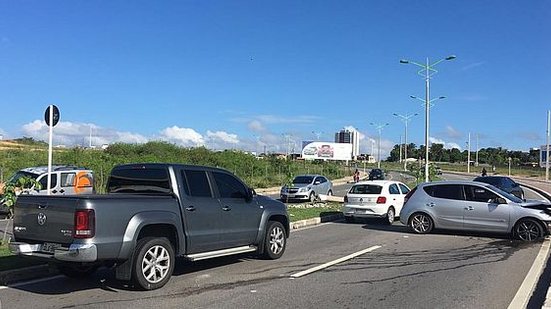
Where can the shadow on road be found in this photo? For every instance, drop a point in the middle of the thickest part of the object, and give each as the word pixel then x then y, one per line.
pixel 105 279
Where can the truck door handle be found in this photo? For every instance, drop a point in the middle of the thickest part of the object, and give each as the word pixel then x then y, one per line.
pixel 469 208
pixel 42 206
pixel 61 191
pixel 226 208
pixel 430 204
pixel 54 191
pixel 190 208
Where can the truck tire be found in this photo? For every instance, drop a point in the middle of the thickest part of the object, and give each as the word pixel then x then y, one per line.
pixel 77 270
pixel 153 262
pixel 275 240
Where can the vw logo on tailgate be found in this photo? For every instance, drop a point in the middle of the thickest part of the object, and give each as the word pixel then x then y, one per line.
pixel 41 218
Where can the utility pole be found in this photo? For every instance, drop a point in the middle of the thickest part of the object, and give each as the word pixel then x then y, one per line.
pixel 469 155
pixel 547 146
pixel 476 162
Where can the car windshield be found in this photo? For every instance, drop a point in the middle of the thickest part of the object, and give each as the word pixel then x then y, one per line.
pixel 508 195
pixel 13 179
pixel 303 179
pixel 366 189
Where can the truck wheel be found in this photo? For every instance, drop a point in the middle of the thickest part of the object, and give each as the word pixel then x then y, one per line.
pixel 77 270
pixel 153 262
pixel 275 240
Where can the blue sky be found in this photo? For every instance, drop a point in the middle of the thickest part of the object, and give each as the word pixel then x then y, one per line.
pixel 241 74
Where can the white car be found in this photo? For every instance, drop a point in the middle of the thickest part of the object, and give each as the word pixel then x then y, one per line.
pixel 375 199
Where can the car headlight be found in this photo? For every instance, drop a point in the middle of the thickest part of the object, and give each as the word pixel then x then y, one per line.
pixel 303 189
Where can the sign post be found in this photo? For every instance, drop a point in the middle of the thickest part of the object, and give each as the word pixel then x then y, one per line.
pixel 51 116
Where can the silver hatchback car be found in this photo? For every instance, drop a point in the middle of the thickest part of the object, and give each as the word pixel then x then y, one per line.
pixel 474 206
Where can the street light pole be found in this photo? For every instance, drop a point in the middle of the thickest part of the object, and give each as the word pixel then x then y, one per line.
pixel 547 146
pixel 469 155
pixel 379 127
pixel 428 70
pixel 405 118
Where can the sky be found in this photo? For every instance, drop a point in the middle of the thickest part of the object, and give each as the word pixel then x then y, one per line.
pixel 255 74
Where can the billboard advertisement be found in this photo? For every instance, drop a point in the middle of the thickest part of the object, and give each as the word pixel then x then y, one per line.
pixel 327 151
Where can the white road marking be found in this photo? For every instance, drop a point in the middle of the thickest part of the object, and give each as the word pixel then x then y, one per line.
pixel 3 287
pixel 337 261
pixel 529 284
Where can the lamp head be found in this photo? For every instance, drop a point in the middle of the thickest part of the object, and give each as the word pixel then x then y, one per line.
pixel 404 61
pixel 451 57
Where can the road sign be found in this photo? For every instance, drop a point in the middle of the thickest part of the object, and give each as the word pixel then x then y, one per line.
pixel 55 115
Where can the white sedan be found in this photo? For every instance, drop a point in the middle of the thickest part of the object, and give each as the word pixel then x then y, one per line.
pixel 374 199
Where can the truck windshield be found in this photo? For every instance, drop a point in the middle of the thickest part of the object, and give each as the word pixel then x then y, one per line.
pixel 13 179
pixel 139 180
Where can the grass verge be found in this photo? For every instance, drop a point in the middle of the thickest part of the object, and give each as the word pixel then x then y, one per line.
pixel 9 261
pixel 299 213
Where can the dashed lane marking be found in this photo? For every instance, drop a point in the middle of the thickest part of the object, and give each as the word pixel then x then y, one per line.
pixel 337 261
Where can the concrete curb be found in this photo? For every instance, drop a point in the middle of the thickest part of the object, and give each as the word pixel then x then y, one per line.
pixel 297 225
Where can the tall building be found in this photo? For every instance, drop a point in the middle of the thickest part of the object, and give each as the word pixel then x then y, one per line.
pixel 349 137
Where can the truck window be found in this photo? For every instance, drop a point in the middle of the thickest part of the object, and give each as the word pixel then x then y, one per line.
pixel 229 186
pixel 198 183
pixel 139 180
pixel 67 179
pixel 44 182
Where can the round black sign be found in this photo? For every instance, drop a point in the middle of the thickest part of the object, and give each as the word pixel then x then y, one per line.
pixel 56 115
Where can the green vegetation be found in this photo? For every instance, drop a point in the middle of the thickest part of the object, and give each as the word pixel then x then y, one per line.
pixel 297 214
pixel 9 261
pixel 256 172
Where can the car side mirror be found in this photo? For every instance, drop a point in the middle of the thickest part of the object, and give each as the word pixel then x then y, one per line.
pixel 250 194
pixel 317 182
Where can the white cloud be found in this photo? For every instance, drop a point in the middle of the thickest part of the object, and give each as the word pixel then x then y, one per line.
pixel 71 134
pixel 223 136
pixel 353 129
pixel 256 126
pixel 182 136
pixel 473 65
pixel 447 145
pixel 451 132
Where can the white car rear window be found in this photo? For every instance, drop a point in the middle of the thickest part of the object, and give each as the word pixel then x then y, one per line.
pixel 366 189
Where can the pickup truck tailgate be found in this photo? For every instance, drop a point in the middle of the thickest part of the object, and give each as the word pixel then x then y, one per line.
pixel 45 219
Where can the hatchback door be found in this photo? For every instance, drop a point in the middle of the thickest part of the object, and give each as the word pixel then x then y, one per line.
pixel 482 213
pixel 447 205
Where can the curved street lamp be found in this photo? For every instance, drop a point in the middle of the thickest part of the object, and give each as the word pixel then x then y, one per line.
pixel 405 119
pixel 427 71
pixel 379 127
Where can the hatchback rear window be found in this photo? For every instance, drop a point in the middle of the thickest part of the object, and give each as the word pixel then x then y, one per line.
pixel 366 189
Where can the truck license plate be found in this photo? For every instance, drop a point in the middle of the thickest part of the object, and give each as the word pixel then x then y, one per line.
pixel 49 247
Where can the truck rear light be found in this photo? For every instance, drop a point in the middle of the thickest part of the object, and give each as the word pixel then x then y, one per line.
pixel 85 222
pixel 381 200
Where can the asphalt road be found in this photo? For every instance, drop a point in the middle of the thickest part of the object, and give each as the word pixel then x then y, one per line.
pixel 415 271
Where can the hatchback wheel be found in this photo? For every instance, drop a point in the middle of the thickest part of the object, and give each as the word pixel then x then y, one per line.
pixel 527 230
pixel 390 216
pixel 421 223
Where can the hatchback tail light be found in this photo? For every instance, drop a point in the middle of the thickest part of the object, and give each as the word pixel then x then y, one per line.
pixel 85 224
pixel 381 200
pixel 346 198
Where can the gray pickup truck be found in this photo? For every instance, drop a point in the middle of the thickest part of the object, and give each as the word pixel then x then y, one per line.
pixel 152 214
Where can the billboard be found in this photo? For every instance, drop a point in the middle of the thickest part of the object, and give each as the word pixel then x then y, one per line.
pixel 327 151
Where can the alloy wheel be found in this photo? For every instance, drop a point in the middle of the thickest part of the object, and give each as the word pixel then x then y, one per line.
pixel 277 240
pixel 528 230
pixel 421 223
pixel 155 264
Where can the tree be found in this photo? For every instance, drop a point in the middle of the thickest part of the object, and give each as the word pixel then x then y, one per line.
pixel 11 191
